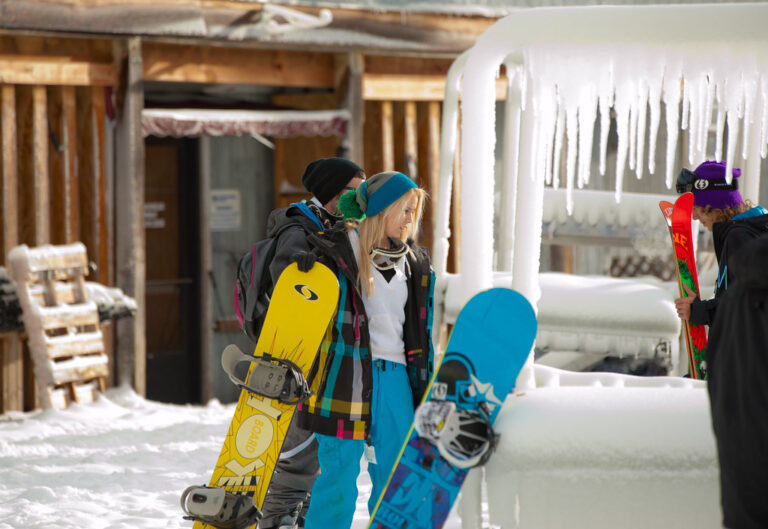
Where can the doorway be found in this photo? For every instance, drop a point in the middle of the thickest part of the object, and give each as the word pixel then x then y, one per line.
pixel 171 223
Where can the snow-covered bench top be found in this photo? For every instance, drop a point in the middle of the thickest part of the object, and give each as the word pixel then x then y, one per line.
pixel 585 449
pixel 593 313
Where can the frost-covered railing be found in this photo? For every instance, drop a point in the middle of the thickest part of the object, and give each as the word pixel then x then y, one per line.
pixel 61 322
pixel 703 64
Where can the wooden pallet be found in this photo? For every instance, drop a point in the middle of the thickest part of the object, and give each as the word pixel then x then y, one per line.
pixel 61 323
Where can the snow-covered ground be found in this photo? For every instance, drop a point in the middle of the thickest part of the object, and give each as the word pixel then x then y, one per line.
pixel 119 463
pixel 582 450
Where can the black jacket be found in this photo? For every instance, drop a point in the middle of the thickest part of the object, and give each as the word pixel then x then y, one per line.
pixel 294 240
pixel 728 238
pixel 737 357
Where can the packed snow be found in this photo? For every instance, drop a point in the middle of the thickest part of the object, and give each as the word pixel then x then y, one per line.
pixel 119 463
pixel 122 462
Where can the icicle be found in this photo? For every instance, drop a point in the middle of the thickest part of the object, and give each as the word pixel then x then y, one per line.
pixel 696 126
pixel 587 118
pixel 671 99
pixel 720 124
pixel 605 100
pixel 686 104
pixel 642 111
pixel 559 133
pixel 622 128
pixel 733 136
pixel 654 104
pixel 634 111
pixel 750 92
pixel 572 134
pixel 708 112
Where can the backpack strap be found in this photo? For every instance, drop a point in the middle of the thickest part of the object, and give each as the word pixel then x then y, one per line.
pixel 308 213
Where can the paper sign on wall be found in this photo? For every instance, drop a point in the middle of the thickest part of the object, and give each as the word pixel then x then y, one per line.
pixel 225 210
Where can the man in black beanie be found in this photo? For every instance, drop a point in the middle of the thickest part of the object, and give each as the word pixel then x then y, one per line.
pixel 287 499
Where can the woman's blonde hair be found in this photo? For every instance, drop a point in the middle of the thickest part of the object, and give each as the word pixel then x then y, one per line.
pixel 373 229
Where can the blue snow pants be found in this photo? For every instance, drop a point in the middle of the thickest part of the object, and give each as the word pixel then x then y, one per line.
pixel 334 493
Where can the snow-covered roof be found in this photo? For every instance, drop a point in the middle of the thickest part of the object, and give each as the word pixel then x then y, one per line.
pixel 485 8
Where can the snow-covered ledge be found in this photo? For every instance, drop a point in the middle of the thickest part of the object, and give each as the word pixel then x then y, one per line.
pixel 604 450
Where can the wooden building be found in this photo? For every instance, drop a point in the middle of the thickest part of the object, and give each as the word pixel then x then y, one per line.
pixel 84 87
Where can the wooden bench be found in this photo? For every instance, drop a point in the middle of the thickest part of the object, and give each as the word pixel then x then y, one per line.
pixel 61 323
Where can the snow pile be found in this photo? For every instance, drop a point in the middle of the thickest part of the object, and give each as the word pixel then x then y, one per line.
pixel 600 450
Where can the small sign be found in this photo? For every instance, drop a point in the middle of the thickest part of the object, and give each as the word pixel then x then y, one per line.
pixel 225 210
pixel 152 218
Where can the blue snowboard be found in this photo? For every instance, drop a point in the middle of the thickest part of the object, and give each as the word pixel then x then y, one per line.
pixel 490 342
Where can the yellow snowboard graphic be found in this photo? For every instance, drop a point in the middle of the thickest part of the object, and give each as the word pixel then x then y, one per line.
pixel 301 307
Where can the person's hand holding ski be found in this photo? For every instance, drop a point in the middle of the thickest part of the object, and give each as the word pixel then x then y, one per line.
pixel 683 305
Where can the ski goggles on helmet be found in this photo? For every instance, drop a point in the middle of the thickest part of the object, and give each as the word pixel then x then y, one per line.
pixel 687 181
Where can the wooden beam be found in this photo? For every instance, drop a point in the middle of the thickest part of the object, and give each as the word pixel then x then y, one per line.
pixel 10 184
pixel 429 163
pixel 209 64
pixel 42 211
pixel 11 351
pixel 98 103
pixel 129 220
pixel 25 156
pixel 411 153
pixel 87 172
pixel 350 93
pixel 57 167
pixel 35 70
pixel 72 197
pixel 387 137
pixel 412 87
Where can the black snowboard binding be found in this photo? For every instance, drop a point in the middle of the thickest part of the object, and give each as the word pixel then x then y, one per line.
pixel 219 508
pixel 464 438
pixel 274 378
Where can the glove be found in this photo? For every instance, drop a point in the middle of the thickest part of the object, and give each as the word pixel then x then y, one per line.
pixel 304 260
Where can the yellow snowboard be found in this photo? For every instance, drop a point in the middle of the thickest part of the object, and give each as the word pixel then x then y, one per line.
pixel 301 307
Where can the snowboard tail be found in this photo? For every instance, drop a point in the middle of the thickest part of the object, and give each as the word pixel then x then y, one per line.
pixel 678 217
pixel 300 309
pixel 490 342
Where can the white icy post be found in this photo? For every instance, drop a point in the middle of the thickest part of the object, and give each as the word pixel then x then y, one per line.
pixel 510 153
pixel 449 133
pixel 478 107
pixel 529 215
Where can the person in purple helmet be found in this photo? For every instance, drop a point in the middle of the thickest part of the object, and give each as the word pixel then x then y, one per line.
pixel 718 205
pixel 737 358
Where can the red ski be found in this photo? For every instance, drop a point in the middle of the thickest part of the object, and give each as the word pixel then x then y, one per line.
pixel 678 217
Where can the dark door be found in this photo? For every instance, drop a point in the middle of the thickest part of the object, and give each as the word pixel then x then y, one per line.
pixel 171 214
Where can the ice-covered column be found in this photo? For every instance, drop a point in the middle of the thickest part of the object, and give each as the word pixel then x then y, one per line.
pixel 510 152
pixel 478 107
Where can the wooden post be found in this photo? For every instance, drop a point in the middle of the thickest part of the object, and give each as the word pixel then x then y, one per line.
pixel 10 184
pixel 129 218
pixel 72 196
pixel 387 137
pixel 411 150
pixel 349 87
pixel 11 351
pixel 429 166
pixel 42 187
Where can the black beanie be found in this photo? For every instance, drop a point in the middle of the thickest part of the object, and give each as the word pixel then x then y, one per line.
pixel 327 177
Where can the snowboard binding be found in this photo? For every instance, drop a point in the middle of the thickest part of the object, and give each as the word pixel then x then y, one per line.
pixel 274 378
pixel 219 508
pixel 464 438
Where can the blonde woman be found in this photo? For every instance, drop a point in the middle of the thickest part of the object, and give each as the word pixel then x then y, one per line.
pixel 374 366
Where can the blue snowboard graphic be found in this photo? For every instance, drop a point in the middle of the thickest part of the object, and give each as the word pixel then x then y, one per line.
pixel 489 344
